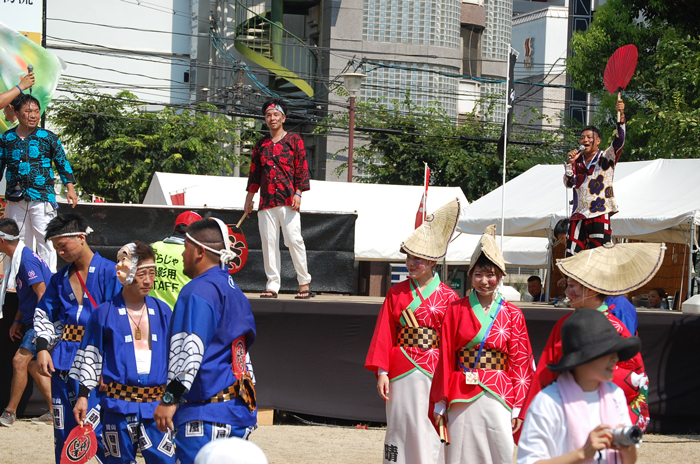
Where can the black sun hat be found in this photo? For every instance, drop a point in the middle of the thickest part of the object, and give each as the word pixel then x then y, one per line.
pixel 588 335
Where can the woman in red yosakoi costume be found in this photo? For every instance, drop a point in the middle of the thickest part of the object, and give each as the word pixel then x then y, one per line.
pixel 405 346
pixel 485 366
pixel 592 275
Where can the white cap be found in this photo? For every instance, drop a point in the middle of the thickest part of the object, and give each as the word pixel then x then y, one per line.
pixel 230 451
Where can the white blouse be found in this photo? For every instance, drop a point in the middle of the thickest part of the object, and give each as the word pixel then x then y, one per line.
pixel 544 430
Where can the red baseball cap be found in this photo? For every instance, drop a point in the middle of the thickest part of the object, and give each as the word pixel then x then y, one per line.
pixel 187 218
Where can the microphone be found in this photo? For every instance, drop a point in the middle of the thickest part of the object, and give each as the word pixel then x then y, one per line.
pixel 30 69
pixel 580 150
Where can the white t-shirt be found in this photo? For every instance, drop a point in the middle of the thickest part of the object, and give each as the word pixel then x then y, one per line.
pixel 544 430
pixel 143 361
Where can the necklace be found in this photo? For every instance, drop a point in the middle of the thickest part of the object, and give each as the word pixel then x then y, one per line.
pixel 281 137
pixel 137 332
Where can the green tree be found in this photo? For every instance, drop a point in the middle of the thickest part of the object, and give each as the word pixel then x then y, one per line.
pixel 669 122
pixel 405 135
pixel 662 100
pixel 684 15
pixel 115 146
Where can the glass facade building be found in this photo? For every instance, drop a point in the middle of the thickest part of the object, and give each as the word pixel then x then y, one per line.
pixel 423 22
pixel 495 44
pixel 426 82
pixel 434 23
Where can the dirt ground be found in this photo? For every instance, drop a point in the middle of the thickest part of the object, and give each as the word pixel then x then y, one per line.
pixel 297 444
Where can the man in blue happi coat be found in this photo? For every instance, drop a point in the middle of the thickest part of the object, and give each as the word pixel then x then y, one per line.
pixel 28 274
pixel 211 330
pixel 61 315
pixel 126 342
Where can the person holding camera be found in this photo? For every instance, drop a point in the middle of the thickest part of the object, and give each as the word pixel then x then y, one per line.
pixel 592 276
pixel 571 421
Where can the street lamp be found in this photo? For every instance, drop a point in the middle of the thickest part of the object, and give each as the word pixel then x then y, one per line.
pixel 352 83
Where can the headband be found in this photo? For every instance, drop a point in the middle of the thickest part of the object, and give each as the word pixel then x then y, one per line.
pixel 72 234
pixel 8 237
pixel 226 256
pixel 274 106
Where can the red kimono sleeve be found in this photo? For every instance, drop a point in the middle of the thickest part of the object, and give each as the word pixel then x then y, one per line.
pixel 383 339
pixel 520 365
pixel 439 389
pixel 636 396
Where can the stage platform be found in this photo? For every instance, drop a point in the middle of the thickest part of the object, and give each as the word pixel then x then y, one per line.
pixel 309 358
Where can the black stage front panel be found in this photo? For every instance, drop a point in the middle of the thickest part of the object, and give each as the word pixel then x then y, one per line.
pixel 329 240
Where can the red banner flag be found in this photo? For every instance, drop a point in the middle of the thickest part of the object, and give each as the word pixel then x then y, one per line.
pixel 423 208
pixel 178 199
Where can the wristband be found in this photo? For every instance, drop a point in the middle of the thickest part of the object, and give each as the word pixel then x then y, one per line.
pixel 175 390
pixel 41 344
pixel 19 321
pixel 297 194
pixel 83 391
pixel 20 89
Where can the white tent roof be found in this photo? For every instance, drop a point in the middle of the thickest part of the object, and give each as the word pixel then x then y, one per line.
pixel 658 200
pixel 386 213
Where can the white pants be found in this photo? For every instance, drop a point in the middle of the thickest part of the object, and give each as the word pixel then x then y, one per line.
pixel 410 436
pixel 269 222
pixel 32 217
pixel 480 432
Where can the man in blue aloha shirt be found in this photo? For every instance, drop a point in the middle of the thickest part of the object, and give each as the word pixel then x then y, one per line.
pixel 27 152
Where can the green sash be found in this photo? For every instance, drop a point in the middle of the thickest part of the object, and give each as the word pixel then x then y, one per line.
pixel 482 315
pixel 419 297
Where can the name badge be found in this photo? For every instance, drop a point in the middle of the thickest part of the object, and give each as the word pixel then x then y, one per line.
pixel 472 378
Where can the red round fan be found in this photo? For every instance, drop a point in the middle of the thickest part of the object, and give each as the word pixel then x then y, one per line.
pixel 239 245
pixel 619 70
pixel 80 446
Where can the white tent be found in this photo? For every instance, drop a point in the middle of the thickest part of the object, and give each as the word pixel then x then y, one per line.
pixel 658 201
pixel 385 213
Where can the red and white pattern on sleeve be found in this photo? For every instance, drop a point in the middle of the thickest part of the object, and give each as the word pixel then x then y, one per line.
pixel 431 314
pixel 509 335
pixel 384 353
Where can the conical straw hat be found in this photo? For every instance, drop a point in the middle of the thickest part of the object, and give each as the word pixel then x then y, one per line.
pixel 430 240
pixel 488 246
pixel 615 269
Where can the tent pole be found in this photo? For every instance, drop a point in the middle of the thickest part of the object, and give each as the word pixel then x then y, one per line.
pixel 550 252
pixel 690 260
pixel 444 268
pixel 505 150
